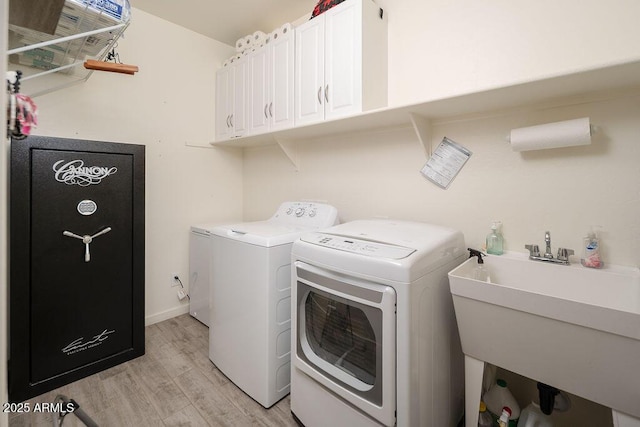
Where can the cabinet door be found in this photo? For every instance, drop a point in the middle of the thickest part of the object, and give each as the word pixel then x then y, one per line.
pixel 240 93
pixel 343 60
pixel 282 68
pixel 223 102
pixel 259 96
pixel 309 71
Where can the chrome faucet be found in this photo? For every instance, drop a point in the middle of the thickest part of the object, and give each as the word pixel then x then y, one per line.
pixel 563 253
pixel 547 241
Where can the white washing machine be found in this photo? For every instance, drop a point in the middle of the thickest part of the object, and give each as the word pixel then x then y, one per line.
pixel 250 321
pixel 375 341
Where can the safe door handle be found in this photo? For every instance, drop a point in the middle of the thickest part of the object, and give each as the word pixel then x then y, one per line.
pixel 86 239
pixel 70 234
pixel 100 233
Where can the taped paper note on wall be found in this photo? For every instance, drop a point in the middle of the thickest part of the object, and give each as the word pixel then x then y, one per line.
pixel 445 163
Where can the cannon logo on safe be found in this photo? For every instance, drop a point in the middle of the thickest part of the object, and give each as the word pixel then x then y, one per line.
pixel 75 172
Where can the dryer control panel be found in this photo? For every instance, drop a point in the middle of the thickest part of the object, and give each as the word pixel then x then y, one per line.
pixel 358 246
pixel 307 214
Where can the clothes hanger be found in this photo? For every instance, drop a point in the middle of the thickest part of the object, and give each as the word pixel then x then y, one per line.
pixel 116 66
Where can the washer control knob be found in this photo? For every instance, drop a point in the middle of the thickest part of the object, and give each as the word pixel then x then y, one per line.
pixel 299 212
pixel 312 213
pixel 289 211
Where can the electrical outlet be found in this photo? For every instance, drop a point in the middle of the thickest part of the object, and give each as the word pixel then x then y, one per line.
pixel 181 295
pixel 174 280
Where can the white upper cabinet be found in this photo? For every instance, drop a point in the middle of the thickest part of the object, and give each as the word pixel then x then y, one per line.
pixel 270 91
pixel 224 104
pixel 332 66
pixel 231 100
pixel 259 91
pixel 240 86
pixel 341 62
pixel 309 71
pixel 282 71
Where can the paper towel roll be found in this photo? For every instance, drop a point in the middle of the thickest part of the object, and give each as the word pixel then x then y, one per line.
pixel 248 41
pixel 258 38
pixel 240 45
pixel 275 34
pixel 568 133
pixel 285 28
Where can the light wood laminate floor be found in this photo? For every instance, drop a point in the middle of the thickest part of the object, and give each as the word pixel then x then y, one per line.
pixel 173 384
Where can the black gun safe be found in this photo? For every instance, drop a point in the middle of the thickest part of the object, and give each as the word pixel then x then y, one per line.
pixel 76 290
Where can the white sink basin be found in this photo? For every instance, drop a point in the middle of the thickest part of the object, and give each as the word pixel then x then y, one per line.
pixel 574 328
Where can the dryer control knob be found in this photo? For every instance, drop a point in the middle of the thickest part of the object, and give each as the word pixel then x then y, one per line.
pixel 312 213
pixel 289 211
pixel 299 212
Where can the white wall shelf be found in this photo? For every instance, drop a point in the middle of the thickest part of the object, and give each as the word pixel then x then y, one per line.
pixel 556 90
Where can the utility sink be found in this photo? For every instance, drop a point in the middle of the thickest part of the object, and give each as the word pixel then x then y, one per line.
pixel 571 327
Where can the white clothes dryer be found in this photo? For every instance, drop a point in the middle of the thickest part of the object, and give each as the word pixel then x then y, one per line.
pixel 374 337
pixel 250 318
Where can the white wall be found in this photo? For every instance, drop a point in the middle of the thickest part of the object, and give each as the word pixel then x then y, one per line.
pixel 562 190
pixel 169 107
pixel 439 48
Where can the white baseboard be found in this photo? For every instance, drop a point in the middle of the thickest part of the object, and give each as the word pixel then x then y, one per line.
pixel 167 314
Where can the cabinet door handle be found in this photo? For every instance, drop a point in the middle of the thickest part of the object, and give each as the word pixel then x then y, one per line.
pixel 326 93
pixel 231 120
pixel 320 95
pixel 266 116
pixel 271 109
pixel 228 125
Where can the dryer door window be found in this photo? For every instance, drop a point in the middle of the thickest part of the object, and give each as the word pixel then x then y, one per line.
pixel 342 334
pixel 346 334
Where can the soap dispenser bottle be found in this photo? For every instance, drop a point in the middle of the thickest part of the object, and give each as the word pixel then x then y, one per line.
pixel 591 251
pixel 495 241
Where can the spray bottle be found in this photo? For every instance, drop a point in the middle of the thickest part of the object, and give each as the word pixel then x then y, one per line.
pixel 480 272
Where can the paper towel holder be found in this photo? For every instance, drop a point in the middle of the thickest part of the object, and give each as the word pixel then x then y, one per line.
pixel 593 129
pixel 566 133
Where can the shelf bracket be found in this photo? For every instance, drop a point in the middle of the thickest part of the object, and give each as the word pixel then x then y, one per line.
pixel 288 148
pixel 422 128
